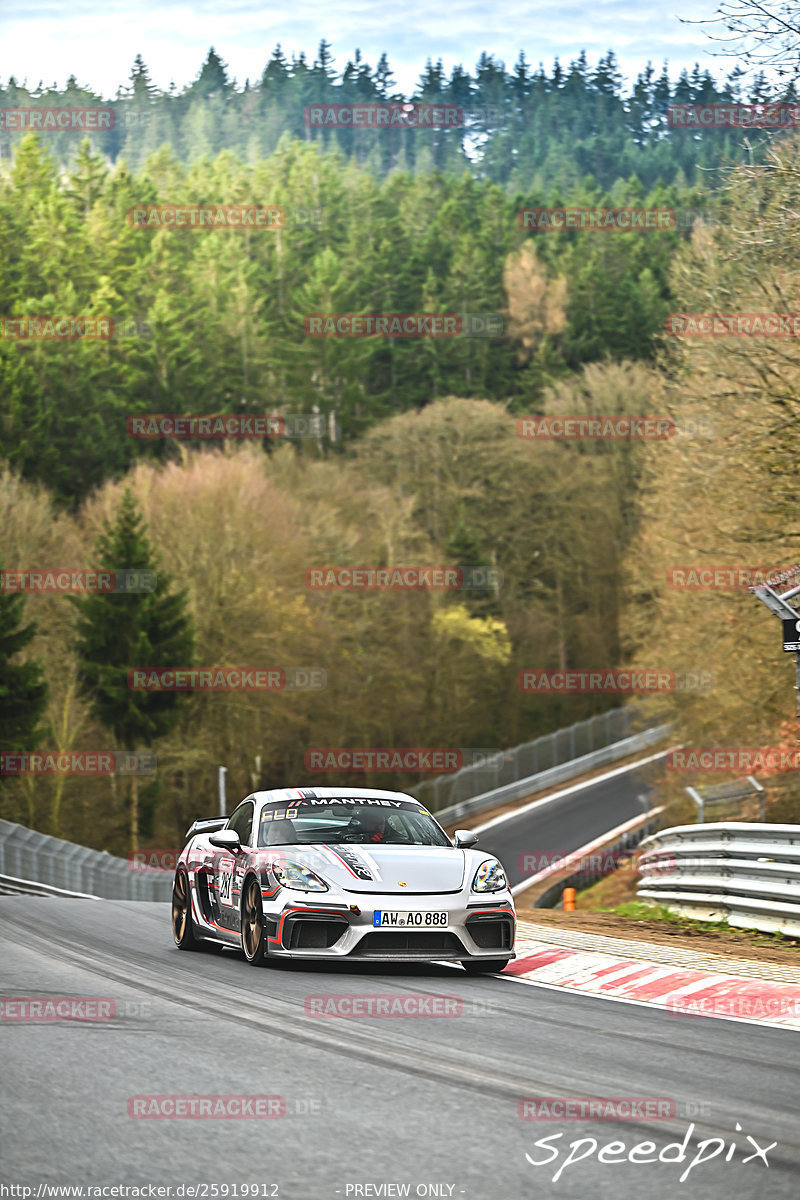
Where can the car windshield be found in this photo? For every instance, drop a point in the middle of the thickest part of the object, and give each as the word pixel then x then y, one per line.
pixel 358 821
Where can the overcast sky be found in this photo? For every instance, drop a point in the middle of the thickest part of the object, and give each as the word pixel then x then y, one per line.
pixel 49 39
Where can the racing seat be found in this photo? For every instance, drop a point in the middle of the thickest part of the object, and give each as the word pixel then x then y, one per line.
pixel 281 832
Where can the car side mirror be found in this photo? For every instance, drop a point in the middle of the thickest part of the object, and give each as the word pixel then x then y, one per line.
pixel 465 838
pixel 226 839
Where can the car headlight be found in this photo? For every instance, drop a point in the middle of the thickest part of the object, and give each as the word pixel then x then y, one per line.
pixel 294 875
pixel 489 877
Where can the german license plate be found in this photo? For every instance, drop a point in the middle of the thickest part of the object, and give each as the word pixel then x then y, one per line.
pixel 385 917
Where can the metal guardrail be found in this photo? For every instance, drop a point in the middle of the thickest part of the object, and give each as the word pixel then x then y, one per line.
pixel 720 795
pixel 33 858
pixel 528 759
pixel 27 887
pixel 597 865
pixel 544 779
pixel 736 871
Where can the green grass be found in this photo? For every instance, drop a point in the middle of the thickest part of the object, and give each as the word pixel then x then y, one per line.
pixel 638 910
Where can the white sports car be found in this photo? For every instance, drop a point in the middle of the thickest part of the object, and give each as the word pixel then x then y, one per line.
pixel 341 872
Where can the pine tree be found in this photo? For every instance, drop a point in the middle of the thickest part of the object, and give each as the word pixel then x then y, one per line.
pixel 87 178
pixel 23 690
pixel 213 78
pixel 119 631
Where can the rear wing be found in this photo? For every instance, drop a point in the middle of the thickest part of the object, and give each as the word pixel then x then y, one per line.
pixel 207 825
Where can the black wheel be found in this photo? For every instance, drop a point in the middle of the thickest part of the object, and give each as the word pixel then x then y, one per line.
pixel 182 929
pixel 253 942
pixel 484 966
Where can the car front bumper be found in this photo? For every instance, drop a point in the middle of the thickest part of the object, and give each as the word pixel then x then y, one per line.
pixel 341 925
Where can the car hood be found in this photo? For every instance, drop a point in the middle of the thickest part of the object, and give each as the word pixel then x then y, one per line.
pixel 399 870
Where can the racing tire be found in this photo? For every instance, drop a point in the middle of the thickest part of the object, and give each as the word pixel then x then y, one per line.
pixel 182 926
pixel 254 946
pixel 484 966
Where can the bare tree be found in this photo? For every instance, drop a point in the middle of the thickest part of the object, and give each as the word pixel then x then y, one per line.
pixel 763 35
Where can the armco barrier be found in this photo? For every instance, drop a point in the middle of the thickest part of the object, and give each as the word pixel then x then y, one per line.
pixel 28 857
pixel 545 753
pixel 596 865
pixel 741 872
pixel 544 779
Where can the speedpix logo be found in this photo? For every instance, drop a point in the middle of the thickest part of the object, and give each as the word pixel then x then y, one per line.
pixel 617 1152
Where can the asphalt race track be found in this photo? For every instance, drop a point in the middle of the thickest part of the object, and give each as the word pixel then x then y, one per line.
pixel 573 821
pixel 416 1101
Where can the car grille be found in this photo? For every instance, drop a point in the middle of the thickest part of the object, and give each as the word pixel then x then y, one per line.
pixel 409 940
pixel 305 934
pixel 490 934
